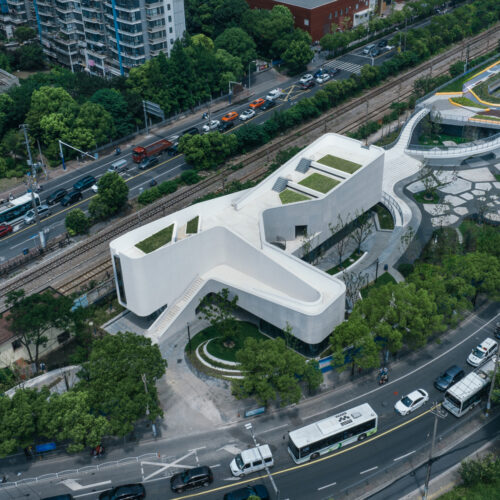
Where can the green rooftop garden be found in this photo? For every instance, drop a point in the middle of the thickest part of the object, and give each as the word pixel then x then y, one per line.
pixel 156 240
pixel 192 225
pixel 289 196
pixel 319 182
pixel 457 85
pixel 465 101
pixel 487 117
pixel 340 164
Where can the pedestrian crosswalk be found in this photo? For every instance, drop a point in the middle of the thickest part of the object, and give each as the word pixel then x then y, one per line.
pixel 344 65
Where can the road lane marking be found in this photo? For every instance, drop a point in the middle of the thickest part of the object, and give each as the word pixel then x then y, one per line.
pixel 404 456
pixel 326 486
pixel 76 486
pixel 369 470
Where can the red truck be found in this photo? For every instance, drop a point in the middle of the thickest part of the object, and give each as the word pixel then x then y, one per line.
pixel 158 147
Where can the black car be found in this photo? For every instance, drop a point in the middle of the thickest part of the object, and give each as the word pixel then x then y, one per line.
pixel 382 43
pixel 374 52
pixel 304 86
pixel 84 183
pixel 497 329
pixel 191 131
pixel 66 496
pixel 191 478
pixel 225 126
pixel 267 105
pixel 451 376
pixel 125 492
pixel 148 162
pixel 56 196
pixel 258 490
pixel 333 71
pixel 71 197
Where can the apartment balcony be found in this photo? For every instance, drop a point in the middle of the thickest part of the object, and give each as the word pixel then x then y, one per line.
pixel 154 17
pixel 155 29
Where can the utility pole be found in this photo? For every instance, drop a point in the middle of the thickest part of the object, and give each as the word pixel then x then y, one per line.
pixel 32 185
pixel 145 117
pixel 492 386
pixel 153 426
pixel 438 413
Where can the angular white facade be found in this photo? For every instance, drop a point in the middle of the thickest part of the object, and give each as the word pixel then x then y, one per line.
pixel 235 248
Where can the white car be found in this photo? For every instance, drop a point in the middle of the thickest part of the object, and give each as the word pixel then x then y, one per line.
pixel 306 78
pixel 482 352
pixel 247 114
pixel 43 211
pixel 323 78
pixel 273 95
pixel 212 125
pixel 94 188
pixel 411 402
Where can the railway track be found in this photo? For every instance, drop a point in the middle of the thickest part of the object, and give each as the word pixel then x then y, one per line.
pixel 59 271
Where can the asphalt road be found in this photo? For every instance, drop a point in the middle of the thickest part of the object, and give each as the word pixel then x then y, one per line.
pixel 399 440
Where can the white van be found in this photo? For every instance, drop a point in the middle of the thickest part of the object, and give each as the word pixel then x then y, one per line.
pixel 367 50
pixel 482 352
pixel 252 460
pixel 118 166
pixel 273 94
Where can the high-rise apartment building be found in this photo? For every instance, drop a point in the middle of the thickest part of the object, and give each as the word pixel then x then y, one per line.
pixel 105 37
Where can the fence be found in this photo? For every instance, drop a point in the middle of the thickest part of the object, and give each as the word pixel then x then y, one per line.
pixel 393 206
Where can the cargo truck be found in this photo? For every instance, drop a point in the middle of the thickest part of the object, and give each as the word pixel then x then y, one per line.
pixel 158 147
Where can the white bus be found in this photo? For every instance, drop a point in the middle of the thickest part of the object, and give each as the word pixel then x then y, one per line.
pixel 14 209
pixel 468 392
pixel 332 433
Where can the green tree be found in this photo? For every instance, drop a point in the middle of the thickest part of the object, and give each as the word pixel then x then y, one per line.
pixel 112 196
pixel 24 33
pixel 238 43
pixel 297 56
pixel 31 317
pixel 113 379
pixel 313 375
pixel 77 222
pixel 207 150
pixel 218 309
pixel 30 57
pixel 95 118
pixel 116 105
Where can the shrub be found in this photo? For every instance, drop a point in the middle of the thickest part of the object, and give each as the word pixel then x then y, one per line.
pixel 149 196
pixel 77 222
pixel 167 187
pixel 190 177
pixel 484 470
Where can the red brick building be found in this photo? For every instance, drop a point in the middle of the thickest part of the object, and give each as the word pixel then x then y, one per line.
pixel 317 16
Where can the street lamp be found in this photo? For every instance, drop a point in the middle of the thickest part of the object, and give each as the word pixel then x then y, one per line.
pixel 249 427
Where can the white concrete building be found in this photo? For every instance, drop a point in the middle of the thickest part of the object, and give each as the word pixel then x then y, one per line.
pixel 239 242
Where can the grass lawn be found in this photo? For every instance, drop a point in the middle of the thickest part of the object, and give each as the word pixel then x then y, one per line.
pixel 340 164
pixel 289 196
pixel 192 225
pixel 437 140
pixel 497 177
pixel 384 216
pixel 319 182
pixel 346 263
pixel 487 117
pixel 157 240
pixel 465 101
pixel 383 279
pixel 419 197
pixel 480 491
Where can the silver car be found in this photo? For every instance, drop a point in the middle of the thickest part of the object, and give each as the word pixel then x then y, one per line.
pixel 43 211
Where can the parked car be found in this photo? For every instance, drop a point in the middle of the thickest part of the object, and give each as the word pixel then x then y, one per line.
pixel 273 94
pixel 257 103
pixel 56 196
pixel 84 183
pixel 190 131
pixel 306 78
pixel 229 117
pixel 247 114
pixel 191 478
pixel 267 105
pixel 124 492
pixel 374 52
pixel 411 402
pixel 382 43
pixel 71 197
pixel 368 48
pixel 65 496
pixel 5 229
pixel 309 85
pixel 333 71
pixel 148 162
pixel 43 211
pixel 225 126
pixel 480 354
pixel 497 329
pixel 257 490
pixel 323 78
pixel 451 376
pixel 211 126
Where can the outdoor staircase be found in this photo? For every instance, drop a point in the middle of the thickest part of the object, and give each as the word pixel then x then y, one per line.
pixel 161 325
pixel 303 165
pixel 280 184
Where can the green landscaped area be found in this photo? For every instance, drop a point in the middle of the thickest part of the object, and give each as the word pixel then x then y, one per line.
pixel 497 177
pixel 289 196
pixel 192 225
pixel 319 182
pixel 420 197
pixel 487 117
pixel 482 91
pixel 339 163
pixel 383 279
pixel 457 85
pixel 384 216
pixel 437 140
pixel 346 263
pixel 465 101
pixel 157 240
pixel 389 138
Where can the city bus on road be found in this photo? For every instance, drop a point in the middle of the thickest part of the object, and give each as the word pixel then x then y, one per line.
pixel 11 210
pixel 332 433
pixel 468 392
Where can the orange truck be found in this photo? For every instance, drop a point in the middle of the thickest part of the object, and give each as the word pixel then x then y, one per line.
pixel 158 147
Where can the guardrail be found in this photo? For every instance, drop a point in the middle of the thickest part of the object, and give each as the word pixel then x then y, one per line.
pixel 442 151
pixel 393 206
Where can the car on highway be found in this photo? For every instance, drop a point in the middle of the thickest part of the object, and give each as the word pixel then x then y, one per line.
pixel 481 353
pixel 382 43
pixel 43 211
pixel 84 183
pixel 5 229
pixel 225 126
pixel 211 126
pixel 267 105
pixel 148 162
pixel 368 48
pixel 497 329
pixel 95 188
pixel 273 95
pixel 124 492
pixel 250 490
pixel 229 117
pixel 323 78
pixel 247 114
pixel 191 478
pixel 65 496
pixel 257 103
pixel 333 71
pixel 71 197
pixel 190 131
pixel 306 78
pixel 56 196
pixel 411 402
pixel 449 377
pixel 309 85
pixel 374 52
